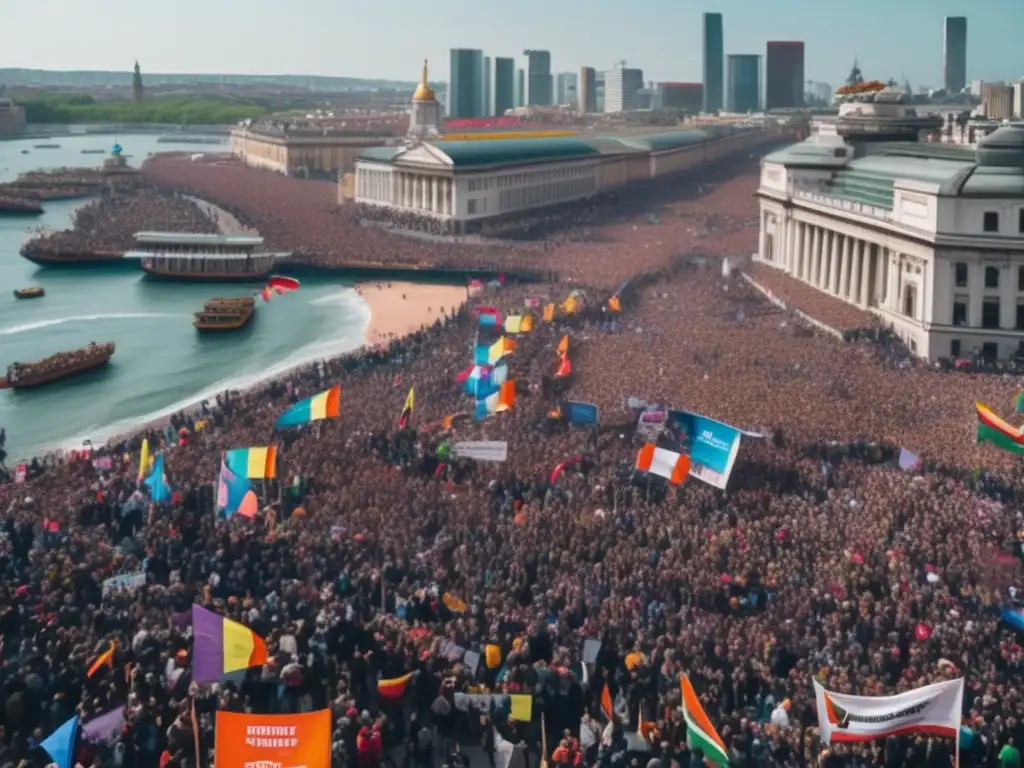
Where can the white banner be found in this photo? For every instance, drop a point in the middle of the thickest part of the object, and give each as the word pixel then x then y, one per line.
pixel 126 581
pixel 482 450
pixel 933 709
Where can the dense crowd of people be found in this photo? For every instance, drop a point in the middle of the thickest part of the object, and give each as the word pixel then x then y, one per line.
pixel 108 224
pixel 372 557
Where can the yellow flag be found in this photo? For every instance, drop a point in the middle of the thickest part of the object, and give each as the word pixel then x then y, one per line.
pixel 522 707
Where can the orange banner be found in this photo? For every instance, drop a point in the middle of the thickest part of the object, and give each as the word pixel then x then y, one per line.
pixel 255 741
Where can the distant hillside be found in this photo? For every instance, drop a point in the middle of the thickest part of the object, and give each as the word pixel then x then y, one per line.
pixel 99 78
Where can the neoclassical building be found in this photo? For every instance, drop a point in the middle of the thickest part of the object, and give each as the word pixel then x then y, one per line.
pixel 928 236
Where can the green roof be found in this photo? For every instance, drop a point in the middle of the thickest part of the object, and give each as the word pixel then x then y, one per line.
pixel 661 142
pixel 809 154
pixel 862 187
pixel 514 151
pixel 380 154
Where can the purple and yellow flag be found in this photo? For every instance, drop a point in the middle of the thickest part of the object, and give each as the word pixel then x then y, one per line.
pixel 253 463
pixel 325 405
pixel 223 646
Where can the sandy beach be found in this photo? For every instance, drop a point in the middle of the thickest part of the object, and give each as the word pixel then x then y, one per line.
pixel 398 309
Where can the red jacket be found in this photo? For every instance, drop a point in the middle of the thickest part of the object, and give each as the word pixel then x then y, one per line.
pixel 368 747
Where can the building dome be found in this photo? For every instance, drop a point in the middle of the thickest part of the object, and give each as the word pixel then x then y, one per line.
pixel 1003 148
pixel 423 91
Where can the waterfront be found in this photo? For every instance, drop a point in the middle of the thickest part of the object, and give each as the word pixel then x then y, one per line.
pixel 161 362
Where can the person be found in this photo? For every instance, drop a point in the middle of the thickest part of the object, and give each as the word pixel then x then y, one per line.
pixel 1009 755
pixel 369 746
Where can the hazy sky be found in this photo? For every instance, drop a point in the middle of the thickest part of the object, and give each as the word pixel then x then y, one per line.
pixel 390 39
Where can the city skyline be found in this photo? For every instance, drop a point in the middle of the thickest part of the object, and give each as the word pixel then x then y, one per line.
pixel 889 40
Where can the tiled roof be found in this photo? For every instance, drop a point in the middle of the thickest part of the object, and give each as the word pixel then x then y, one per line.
pixel 662 142
pixel 380 154
pixel 514 151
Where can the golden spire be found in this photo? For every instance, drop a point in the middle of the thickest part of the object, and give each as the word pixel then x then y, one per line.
pixel 423 91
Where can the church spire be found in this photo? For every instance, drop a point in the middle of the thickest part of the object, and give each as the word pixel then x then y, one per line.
pixel 137 92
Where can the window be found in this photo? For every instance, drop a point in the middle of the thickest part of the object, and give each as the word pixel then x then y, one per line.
pixel 990 313
pixel 1020 278
pixel 991 221
pixel 471 207
pixel 991 277
pixel 1020 351
pixel 959 310
pixel 1020 316
pixel 961 274
pixel 1020 221
pixel 954 348
pixel 990 351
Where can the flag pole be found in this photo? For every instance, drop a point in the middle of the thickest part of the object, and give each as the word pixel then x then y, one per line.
pixel 195 729
pixel 543 741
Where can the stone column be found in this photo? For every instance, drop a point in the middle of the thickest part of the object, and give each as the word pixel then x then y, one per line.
pixel 805 251
pixel 858 254
pixel 762 235
pixel 865 275
pixel 819 234
pixel 791 245
pixel 844 269
pixel 833 265
pixel 433 194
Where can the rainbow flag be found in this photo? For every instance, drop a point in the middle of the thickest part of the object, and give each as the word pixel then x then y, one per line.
pixel 222 646
pixel 326 405
pixel 253 463
pixel 993 429
pixel 394 688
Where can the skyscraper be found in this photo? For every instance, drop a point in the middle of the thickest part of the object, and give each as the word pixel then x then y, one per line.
pixel 465 86
pixel 744 91
pixel 565 90
pixel 714 59
pixel 488 87
pixel 588 90
pixel 521 87
pixel 540 92
pixel 504 85
pixel 784 74
pixel 620 88
pixel 954 53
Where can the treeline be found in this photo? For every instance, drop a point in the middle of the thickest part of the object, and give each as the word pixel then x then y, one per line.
pixel 66 108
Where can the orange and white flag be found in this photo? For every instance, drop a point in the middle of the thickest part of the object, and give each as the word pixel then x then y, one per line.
pixel 662 462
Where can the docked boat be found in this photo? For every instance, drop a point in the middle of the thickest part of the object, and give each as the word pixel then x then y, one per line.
pixel 203 258
pixel 24 206
pixel 34 292
pixel 224 314
pixel 42 255
pixel 62 365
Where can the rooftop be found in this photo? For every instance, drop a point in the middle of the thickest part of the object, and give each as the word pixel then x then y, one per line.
pixel 514 151
pixel 185 238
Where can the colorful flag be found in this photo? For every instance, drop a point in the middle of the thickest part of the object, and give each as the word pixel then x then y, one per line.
pixel 394 688
pixel 104 659
pixel 699 730
pixel 144 459
pixel 325 405
pixel 20 473
pixel 549 313
pixel 231 490
pixel 580 413
pixel 453 603
pixel 606 703
pixel 253 463
pixel 222 646
pixel 1018 404
pixel 993 429
pixel 1014 617
pixel 408 408
pixel 104 727
pixel 519 323
pixel 614 305
pixel 502 400
pixel 499 349
pixel 159 490
pixel 662 462
pixel 564 368
pixel 60 745
pixel 563 347
pixel 909 461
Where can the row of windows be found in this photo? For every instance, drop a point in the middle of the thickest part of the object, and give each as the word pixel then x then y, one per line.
pixel 546 194
pixel 990 221
pixel 989 350
pixel 512 180
pixel 991 276
pixel 991 313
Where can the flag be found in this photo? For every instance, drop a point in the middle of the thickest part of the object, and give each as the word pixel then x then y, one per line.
pixel 563 347
pixel 564 368
pixel 699 730
pixel 614 305
pixel 105 658
pixel 407 409
pixel 104 727
pixel 159 490
pixel 144 459
pixel 606 703
pixel 453 603
pixel 253 463
pixel 222 646
pixel 20 473
pixel 580 413
pixel 993 429
pixel 502 400
pixel 60 745
pixel 1014 617
pixel 909 461
pixel 231 490
pixel 394 688
pixel 1018 404
pixel 522 707
pixel 549 313
pixel 932 709
pixel 662 462
pixel 325 405
pixel 499 349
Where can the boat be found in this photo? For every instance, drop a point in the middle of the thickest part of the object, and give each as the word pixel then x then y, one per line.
pixel 24 206
pixel 203 258
pixel 46 146
pixel 62 365
pixel 34 292
pixel 94 151
pixel 224 314
pixel 41 256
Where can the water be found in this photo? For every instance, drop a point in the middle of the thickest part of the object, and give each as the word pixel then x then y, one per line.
pixel 161 363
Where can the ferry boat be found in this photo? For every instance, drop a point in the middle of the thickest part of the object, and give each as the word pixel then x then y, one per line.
pixel 33 292
pixel 203 258
pixel 224 315
pixel 62 365
pixel 24 206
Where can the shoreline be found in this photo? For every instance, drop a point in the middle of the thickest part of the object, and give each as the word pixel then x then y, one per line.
pixel 396 310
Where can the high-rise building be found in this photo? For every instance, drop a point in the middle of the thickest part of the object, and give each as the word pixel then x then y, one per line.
pixel 784 74
pixel 1018 98
pixel 714 59
pixel 681 97
pixel 488 87
pixel 521 88
pixel 599 80
pixel 588 90
pixel 540 91
pixel 744 92
pixel 565 88
pixel 621 85
pixel 465 83
pixel 997 101
pixel 954 53
pixel 504 85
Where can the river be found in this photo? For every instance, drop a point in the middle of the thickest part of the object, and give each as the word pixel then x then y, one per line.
pixel 161 363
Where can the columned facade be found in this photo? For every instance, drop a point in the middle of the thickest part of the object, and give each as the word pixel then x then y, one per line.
pixel 406 190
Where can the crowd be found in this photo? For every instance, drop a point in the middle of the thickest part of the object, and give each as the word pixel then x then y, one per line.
pixel 109 223
pixel 372 558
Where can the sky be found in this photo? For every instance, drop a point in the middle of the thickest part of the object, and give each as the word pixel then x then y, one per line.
pixel 346 38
